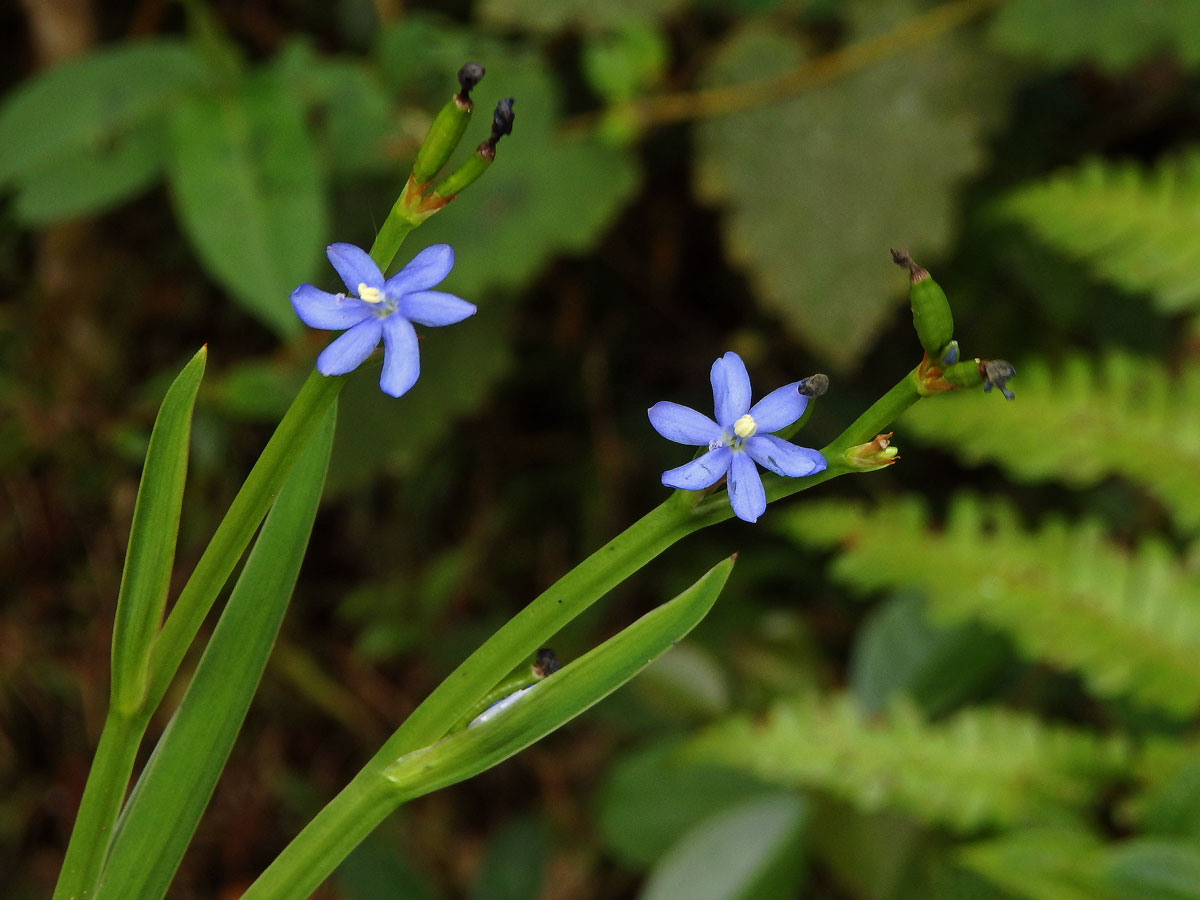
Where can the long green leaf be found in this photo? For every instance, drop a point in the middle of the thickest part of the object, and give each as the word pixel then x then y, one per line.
pixel 151 551
pixel 555 701
pixel 144 586
pixel 245 514
pixel 179 779
pixel 370 797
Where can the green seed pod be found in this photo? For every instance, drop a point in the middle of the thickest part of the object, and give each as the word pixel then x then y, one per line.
pixel 930 308
pixel 484 155
pixel 447 128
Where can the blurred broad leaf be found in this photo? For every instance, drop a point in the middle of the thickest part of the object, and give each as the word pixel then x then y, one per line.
pixel 459 368
pixel 248 191
pixel 379 869
pixel 83 135
pixel 1043 864
pixel 1131 226
pixel 1115 35
pixel 651 798
pixel 749 852
pixel 537 15
pixel 1172 805
pixel 353 111
pixel 621 64
pixel 899 652
pixel 815 188
pixel 514 865
pixel 1150 869
pixel 686 684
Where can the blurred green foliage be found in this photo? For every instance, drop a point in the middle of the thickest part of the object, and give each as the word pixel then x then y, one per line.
pixel 905 692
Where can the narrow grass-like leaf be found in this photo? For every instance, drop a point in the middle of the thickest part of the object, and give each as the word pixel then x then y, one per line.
pixel 245 513
pixel 151 551
pixel 179 779
pixel 749 852
pixel 554 701
pixel 379 788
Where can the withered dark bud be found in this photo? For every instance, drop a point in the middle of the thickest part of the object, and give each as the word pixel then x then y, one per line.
pixel 995 374
pixel 469 76
pixel 546 663
pixel 813 385
pixel 502 120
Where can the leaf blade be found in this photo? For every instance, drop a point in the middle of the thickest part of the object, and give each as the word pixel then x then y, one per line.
pixel 556 700
pixel 150 554
pixel 174 789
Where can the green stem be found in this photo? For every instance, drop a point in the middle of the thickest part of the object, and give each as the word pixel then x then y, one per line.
pixel 391 235
pixel 98 809
pixel 369 797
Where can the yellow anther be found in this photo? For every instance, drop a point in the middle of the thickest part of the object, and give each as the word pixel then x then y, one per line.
pixel 745 426
pixel 369 294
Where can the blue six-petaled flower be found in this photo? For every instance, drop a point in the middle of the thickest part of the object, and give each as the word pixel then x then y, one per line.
pixel 739 438
pixel 374 308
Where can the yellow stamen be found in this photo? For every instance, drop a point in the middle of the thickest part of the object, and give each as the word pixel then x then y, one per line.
pixel 369 294
pixel 745 426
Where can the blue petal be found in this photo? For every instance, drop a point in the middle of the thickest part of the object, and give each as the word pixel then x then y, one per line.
pixel 782 458
pixel 401 362
pixel 683 425
pixel 333 312
pixel 746 494
pixel 702 472
pixel 349 350
pixel 354 266
pixel 434 308
pixel 426 269
pixel 779 409
pixel 731 389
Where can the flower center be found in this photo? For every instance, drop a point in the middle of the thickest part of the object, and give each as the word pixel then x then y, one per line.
pixel 745 427
pixel 368 294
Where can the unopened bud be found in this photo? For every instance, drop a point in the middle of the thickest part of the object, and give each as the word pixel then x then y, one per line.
pixel 874 454
pixel 447 128
pixel 484 155
pixel 931 310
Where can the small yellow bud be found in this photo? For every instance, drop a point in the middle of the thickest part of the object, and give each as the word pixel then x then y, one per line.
pixel 369 294
pixel 745 427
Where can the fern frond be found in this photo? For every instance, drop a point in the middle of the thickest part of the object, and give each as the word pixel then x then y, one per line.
pixel 980 768
pixel 1134 227
pixel 1080 422
pixel 1127 622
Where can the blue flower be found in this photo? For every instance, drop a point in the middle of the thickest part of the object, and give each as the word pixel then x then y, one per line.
pixel 739 438
pixel 374 309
